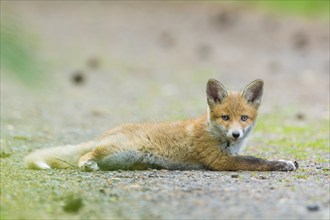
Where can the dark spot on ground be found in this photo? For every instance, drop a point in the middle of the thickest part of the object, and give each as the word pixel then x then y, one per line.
pixel 300 116
pixel 300 40
pixel 113 195
pixel 225 18
pixel 234 176
pixel 313 208
pixel 73 204
pixel 167 40
pixel 93 63
pixel 98 112
pixel 78 78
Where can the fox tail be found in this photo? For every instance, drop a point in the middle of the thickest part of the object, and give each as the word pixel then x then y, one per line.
pixel 57 157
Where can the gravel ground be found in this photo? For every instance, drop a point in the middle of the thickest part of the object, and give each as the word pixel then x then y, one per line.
pixel 114 62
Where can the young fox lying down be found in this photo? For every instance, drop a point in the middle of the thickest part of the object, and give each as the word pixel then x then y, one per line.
pixel 212 141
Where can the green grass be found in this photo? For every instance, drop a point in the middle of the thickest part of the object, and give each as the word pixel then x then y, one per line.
pixel 301 176
pixel 310 9
pixel 306 8
pixel 307 140
pixel 19 49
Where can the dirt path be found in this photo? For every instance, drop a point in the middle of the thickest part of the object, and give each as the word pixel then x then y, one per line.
pixel 117 62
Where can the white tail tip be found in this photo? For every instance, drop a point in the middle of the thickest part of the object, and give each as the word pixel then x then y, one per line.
pixel 42 165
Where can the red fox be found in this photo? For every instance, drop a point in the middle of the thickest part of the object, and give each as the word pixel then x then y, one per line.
pixel 210 142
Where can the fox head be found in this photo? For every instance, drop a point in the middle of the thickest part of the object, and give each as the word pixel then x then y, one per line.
pixel 232 114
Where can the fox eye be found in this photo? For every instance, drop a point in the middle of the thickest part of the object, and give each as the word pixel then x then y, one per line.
pixel 225 117
pixel 244 117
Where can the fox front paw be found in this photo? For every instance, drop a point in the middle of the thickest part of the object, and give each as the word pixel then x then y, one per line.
pixel 89 166
pixel 287 165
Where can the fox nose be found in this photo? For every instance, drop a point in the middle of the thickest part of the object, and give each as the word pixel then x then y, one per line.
pixel 235 134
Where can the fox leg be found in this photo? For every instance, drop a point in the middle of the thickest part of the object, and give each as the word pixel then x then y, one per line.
pixel 249 163
pixel 87 162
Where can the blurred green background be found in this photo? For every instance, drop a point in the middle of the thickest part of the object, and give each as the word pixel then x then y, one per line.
pixel 19 45
pixel 318 9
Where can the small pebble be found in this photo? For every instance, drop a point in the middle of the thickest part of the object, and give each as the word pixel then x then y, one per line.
pixel 313 208
pixel 78 78
pixel 234 176
pixel 262 177
pixel 300 116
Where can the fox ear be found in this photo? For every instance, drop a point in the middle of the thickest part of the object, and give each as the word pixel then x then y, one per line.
pixel 253 92
pixel 215 92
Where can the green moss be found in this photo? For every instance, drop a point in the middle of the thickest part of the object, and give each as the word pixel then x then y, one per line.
pixel 280 134
pixel 301 176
